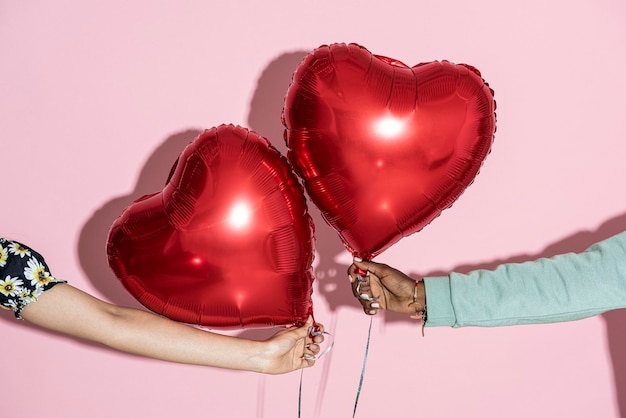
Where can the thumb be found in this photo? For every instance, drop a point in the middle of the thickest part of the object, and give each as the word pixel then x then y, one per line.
pixel 309 322
pixel 304 330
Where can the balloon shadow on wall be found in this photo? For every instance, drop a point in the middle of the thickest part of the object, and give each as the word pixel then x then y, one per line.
pixel 93 237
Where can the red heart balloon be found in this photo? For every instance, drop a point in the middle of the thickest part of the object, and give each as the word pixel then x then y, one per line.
pixel 383 148
pixel 228 242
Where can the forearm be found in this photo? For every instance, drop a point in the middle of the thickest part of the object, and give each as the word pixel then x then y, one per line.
pixel 564 288
pixel 71 311
pixel 149 335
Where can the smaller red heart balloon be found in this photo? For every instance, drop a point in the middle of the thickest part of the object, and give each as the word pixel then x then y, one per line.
pixel 227 243
pixel 384 148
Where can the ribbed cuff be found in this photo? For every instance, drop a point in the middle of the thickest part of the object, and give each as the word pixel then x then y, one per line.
pixel 439 302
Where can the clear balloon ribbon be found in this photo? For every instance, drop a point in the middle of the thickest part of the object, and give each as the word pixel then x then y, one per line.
pixel 313 331
pixel 367 347
pixel 332 327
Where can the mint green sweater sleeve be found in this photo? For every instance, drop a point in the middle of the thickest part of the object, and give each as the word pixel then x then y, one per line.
pixel 563 288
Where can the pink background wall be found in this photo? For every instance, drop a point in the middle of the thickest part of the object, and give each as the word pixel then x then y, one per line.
pixel 98 98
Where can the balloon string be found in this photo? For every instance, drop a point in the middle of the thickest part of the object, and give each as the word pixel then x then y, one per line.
pixel 321 390
pixel 313 333
pixel 367 347
pixel 261 397
pixel 300 393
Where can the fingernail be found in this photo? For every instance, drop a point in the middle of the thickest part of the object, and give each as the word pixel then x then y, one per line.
pixel 375 305
pixel 350 278
pixel 365 296
pixel 373 312
pixel 358 259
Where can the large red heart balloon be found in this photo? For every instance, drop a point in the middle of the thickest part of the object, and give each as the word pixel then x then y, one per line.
pixel 383 148
pixel 227 243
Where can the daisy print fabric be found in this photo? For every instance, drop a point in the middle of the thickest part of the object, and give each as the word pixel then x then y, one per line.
pixel 24 276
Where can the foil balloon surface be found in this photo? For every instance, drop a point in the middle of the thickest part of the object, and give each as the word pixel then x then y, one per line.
pixel 227 243
pixel 383 148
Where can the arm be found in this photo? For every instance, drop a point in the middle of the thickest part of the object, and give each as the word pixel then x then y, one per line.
pixel 70 311
pixel 563 288
pixel 566 287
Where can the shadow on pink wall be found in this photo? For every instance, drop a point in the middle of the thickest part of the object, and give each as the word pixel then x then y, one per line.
pixel 264 118
pixel 93 236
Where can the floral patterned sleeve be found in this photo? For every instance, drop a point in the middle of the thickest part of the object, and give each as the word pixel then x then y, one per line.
pixel 24 276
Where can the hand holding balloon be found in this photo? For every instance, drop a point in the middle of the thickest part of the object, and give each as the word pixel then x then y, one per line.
pixel 384 287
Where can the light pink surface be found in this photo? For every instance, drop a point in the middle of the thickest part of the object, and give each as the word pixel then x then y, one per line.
pixel 98 98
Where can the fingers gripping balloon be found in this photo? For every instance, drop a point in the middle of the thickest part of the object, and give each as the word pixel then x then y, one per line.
pixel 383 148
pixel 228 242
